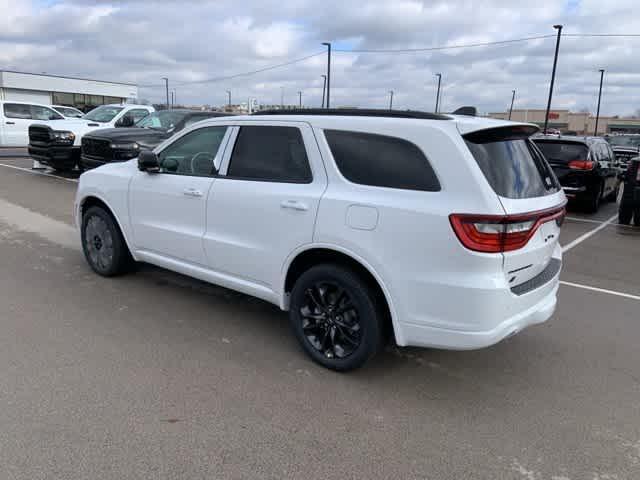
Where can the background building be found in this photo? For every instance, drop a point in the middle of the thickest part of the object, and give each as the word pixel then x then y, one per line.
pixel 580 123
pixel 81 93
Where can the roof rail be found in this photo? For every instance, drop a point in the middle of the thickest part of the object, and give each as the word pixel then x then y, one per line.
pixel 357 112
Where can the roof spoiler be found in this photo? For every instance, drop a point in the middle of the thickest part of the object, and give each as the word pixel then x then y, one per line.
pixel 468 110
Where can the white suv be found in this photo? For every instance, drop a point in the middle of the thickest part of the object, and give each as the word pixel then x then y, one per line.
pixel 439 229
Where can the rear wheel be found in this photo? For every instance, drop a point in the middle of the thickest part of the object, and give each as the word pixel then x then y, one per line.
pixel 593 202
pixel 625 212
pixel 103 244
pixel 336 317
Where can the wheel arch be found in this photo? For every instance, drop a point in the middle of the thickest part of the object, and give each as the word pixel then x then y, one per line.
pixel 303 259
pixel 93 200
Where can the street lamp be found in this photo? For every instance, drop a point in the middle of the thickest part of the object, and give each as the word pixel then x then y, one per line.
pixel 328 45
pixel 229 93
pixel 390 99
pixel 513 97
pixel 281 97
pixel 299 98
pixel 324 88
pixel 439 75
pixel 553 77
pixel 595 132
pixel 166 85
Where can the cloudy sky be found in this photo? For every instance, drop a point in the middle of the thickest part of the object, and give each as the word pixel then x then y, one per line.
pixel 194 41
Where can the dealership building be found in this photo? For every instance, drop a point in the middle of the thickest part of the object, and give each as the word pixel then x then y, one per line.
pixel 579 123
pixel 81 93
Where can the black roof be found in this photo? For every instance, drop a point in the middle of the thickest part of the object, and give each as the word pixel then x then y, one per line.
pixel 358 112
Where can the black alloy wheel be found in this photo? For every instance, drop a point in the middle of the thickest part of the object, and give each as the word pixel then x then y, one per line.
pixel 103 244
pixel 336 317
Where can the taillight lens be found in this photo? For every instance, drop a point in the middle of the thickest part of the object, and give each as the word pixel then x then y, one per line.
pixel 501 233
pixel 581 165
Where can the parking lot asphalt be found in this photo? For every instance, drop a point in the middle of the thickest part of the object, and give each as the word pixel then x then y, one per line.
pixel 155 375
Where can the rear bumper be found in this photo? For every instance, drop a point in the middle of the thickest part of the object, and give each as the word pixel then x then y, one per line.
pixel 480 315
pixel 54 156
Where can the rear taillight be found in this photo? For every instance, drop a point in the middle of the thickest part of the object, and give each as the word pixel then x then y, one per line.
pixel 581 165
pixel 501 233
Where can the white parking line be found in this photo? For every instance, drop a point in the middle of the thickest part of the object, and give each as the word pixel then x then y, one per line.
pixel 589 234
pixel 601 290
pixel 35 172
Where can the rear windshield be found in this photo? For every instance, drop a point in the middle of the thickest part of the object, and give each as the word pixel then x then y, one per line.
pixel 512 166
pixel 559 152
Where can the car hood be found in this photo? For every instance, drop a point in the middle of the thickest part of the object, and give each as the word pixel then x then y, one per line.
pixel 143 136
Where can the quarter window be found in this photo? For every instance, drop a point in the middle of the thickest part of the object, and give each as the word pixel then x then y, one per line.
pixel 194 153
pixel 381 161
pixel 270 153
pixel 17 110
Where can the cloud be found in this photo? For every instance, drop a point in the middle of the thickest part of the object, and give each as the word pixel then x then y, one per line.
pixel 142 41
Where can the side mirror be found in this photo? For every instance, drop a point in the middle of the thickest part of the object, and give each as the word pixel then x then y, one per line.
pixel 148 162
pixel 126 121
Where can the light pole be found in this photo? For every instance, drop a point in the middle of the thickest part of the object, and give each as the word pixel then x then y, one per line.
pixel 172 99
pixel 439 75
pixel 513 97
pixel 281 97
pixel 299 99
pixel 166 85
pixel 390 99
pixel 328 45
pixel 324 88
pixel 229 93
pixel 595 132
pixel 553 77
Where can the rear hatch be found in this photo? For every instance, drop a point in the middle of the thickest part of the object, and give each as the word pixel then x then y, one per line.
pixel 531 197
pixel 565 157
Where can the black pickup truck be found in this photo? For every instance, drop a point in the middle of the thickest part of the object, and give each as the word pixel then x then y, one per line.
pixel 625 147
pixel 118 145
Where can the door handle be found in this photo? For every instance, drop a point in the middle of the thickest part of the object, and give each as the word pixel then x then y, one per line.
pixel 10 123
pixel 294 205
pixel 192 192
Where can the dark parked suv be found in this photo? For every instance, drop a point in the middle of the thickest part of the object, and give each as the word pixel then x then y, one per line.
pixel 630 198
pixel 625 147
pixel 586 167
pixel 118 145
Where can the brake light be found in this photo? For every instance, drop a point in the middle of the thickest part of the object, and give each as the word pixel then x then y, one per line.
pixel 581 165
pixel 501 233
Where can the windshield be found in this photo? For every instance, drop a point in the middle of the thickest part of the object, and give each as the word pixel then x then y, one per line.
pixel 560 152
pixel 164 120
pixel 624 141
pixel 69 112
pixel 103 114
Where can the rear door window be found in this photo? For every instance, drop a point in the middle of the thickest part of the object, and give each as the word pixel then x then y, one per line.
pixel 381 161
pixel 510 164
pixel 17 110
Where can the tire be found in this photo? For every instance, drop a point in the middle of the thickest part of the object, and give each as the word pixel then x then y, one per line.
pixel 336 317
pixel 636 216
pixel 103 244
pixel 614 194
pixel 593 202
pixel 625 213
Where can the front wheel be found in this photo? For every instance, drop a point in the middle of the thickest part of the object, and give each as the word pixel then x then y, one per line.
pixel 336 317
pixel 593 202
pixel 103 244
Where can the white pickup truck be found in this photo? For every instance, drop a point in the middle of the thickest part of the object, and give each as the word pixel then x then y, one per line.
pixel 17 117
pixel 58 144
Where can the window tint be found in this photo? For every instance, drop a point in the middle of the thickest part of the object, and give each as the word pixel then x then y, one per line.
pixel 559 152
pixel 512 168
pixel 194 153
pixel 17 110
pixel 44 113
pixel 381 161
pixel 270 153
